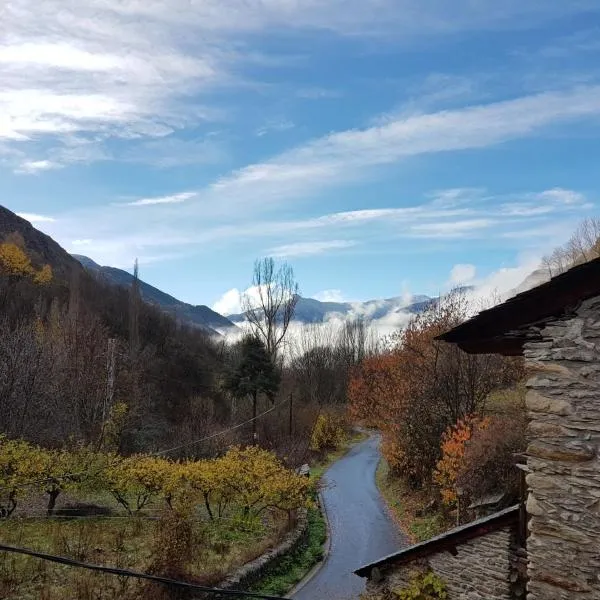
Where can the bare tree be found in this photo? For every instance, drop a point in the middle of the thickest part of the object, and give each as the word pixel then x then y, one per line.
pixel 582 246
pixel 270 308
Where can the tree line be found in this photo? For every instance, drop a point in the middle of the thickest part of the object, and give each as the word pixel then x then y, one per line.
pixel 86 361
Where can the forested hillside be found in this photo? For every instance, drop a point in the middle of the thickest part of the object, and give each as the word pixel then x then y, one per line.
pixel 75 349
pixel 201 316
pixel 78 353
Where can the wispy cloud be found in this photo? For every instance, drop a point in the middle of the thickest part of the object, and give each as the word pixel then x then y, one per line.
pixel 450 229
pixel 104 69
pixel 35 218
pixel 462 274
pixel 36 166
pixel 274 126
pixel 299 249
pixel 342 157
pixel 173 199
pixel 120 233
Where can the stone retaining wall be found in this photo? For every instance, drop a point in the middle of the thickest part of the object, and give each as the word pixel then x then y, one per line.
pixel 251 572
pixel 564 478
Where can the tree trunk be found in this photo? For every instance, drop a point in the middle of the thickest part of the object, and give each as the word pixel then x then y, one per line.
pixel 52 496
pixel 254 403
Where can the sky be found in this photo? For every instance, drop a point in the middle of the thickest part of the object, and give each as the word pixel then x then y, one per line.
pixel 381 147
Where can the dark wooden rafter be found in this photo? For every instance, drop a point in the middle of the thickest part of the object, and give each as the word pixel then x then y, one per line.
pixel 504 329
pixel 447 542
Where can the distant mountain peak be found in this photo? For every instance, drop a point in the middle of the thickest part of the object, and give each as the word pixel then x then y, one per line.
pixel 311 310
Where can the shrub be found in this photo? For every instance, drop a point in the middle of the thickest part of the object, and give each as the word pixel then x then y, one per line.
pixel 489 464
pixel 424 586
pixel 451 464
pixel 329 432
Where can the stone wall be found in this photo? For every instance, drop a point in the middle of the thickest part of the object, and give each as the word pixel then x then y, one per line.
pixel 251 572
pixel 564 469
pixel 480 570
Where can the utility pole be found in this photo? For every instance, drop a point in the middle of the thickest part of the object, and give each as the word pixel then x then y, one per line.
pixel 291 421
pixel 110 386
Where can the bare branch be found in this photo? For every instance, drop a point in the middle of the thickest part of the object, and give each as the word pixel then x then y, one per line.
pixel 277 294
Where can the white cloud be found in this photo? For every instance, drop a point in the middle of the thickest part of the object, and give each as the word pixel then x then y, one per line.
pixel 120 233
pixel 562 196
pixel 173 199
pixel 450 229
pixel 35 166
pixel 341 157
pixel 329 296
pixel 126 69
pixel 232 301
pixel 229 303
pixel 462 274
pixel 275 125
pixel 500 284
pixel 309 248
pixel 35 218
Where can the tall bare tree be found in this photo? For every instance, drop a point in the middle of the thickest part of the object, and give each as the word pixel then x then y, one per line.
pixel 270 305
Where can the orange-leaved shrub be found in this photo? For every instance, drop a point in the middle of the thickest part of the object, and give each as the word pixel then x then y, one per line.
pixel 454 446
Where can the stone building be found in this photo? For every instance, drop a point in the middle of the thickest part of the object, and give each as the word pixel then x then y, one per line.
pixel 477 561
pixel 556 327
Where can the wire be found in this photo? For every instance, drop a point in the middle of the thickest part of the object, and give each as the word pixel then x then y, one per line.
pixel 63 560
pixel 160 452
pixel 214 435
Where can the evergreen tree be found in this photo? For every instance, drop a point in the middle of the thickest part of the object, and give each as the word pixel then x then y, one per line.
pixel 255 374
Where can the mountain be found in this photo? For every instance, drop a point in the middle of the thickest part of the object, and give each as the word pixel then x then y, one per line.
pixel 41 248
pixel 200 316
pixel 309 310
pixel 532 280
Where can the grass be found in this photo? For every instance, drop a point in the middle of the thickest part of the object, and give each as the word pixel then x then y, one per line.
pixel 120 542
pixel 295 565
pixel 406 506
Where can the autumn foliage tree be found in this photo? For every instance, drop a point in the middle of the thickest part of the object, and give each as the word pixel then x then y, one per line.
pixel 454 446
pixel 14 263
pixel 420 386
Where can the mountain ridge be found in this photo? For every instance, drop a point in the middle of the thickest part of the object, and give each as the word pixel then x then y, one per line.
pixel 311 310
pixel 197 315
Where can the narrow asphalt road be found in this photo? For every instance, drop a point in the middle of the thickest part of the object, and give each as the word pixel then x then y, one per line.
pixel 361 529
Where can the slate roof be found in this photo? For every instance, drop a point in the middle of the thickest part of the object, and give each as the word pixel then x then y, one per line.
pixel 503 329
pixel 447 541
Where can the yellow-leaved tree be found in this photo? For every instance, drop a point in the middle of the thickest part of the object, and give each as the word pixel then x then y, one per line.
pixel 15 264
pixel 259 481
pixel 136 480
pixel 21 464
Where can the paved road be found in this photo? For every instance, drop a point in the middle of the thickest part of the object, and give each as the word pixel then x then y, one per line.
pixel 360 527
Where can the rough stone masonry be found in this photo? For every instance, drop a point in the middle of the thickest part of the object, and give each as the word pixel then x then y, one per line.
pixel 480 570
pixel 564 466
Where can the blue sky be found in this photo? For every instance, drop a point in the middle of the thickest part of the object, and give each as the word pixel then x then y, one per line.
pixel 379 146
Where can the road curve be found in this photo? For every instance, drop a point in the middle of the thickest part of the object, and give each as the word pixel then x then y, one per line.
pixel 361 530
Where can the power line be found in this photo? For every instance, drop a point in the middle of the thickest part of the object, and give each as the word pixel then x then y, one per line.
pixel 214 435
pixel 158 453
pixel 63 560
